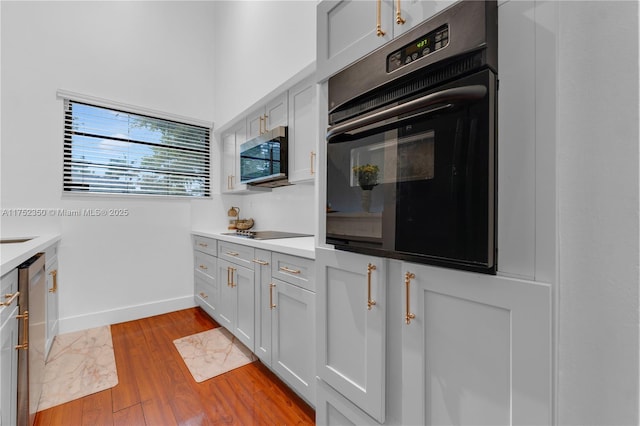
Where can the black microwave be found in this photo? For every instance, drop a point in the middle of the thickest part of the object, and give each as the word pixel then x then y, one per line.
pixel 264 159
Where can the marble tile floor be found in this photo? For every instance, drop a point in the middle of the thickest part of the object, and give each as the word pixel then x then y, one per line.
pixel 212 352
pixel 78 364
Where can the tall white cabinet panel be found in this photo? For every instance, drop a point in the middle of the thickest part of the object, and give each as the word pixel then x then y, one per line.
pixel 302 131
pixel 8 352
pixel 351 331
pixel 293 343
pixel 263 303
pixel 476 349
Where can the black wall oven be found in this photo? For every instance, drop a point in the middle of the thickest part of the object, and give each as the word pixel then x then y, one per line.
pixel 411 147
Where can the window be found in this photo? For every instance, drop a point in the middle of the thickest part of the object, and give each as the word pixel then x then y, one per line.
pixel 118 152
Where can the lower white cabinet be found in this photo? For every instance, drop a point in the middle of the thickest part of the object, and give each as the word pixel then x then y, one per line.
pixel 51 271
pixel 476 349
pixel 351 327
pixel 8 352
pixel 333 409
pixel 264 301
pixel 206 286
pixel 236 309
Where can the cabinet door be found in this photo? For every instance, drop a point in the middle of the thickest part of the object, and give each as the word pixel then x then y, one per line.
pixel 277 112
pixel 302 131
pixel 293 337
pixel 351 330
pixel 236 308
pixel 347 32
pixel 9 369
pixel 255 123
pixel 264 300
pixel 52 302
pixel 231 141
pixel 477 350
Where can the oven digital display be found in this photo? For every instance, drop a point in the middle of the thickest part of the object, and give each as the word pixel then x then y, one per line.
pixel 425 45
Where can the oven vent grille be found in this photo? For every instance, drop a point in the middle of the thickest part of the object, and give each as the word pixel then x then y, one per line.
pixel 407 87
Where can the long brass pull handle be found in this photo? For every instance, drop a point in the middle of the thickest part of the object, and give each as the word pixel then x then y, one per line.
pixel 370 301
pixel 408 276
pixel 204 268
pixel 228 181
pixel 203 244
pixel 313 157
pixel 204 296
pixel 54 274
pixel 230 272
pixel 265 123
pixel 271 304
pixel 379 31
pixel 399 19
pixel 233 253
pixel 260 262
pixel 260 125
pixel 25 330
pixel 10 298
pixel 289 270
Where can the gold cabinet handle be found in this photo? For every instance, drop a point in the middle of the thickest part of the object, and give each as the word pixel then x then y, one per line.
pixel 408 276
pixel 370 301
pixel 25 330
pixel 271 304
pixel 399 19
pixel 204 268
pixel 10 298
pixel 233 253
pixel 230 271
pixel 54 274
pixel 289 270
pixel 260 125
pixel 203 244
pixel 379 31
pixel 265 123
pixel 204 296
pixel 313 157
pixel 260 262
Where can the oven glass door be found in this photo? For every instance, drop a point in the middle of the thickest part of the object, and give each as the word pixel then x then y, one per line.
pixel 418 185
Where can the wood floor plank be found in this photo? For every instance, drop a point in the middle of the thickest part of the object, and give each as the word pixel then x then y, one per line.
pixel 156 388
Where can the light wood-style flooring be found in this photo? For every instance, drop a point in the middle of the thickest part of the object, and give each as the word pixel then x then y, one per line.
pixel 155 387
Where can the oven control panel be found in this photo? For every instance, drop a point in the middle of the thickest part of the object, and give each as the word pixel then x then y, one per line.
pixel 425 45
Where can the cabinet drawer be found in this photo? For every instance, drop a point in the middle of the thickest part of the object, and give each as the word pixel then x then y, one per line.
pixel 205 266
pixel 236 253
pixel 294 270
pixel 8 286
pixel 205 245
pixel 205 296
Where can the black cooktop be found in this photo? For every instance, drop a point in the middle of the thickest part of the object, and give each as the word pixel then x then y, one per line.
pixel 264 235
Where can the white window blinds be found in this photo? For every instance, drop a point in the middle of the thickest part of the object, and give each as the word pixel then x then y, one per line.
pixel 117 152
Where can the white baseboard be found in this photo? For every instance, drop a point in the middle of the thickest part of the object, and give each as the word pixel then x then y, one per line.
pixel 128 313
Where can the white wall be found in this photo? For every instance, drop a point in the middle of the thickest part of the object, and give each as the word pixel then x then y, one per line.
pixel 259 45
pixel 155 55
pixel 598 213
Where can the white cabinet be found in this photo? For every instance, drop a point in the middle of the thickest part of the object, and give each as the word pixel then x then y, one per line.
pixel 267 117
pixel 348 30
pixel 8 352
pixel 236 309
pixel 264 301
pixel 53 279
pixel 476 349
pixel 351 306
pixel 206 289
pixel 303 125
pixel 333 409
pixel 293 337
pixel 231 140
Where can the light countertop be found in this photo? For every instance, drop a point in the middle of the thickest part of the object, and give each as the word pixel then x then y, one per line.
pixel 299 246
pixel 12 255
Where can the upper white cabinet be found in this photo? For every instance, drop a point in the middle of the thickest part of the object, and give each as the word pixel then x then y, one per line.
pixel 303 133
pixel 476 349
pixel 267 117
pixel 231 140
pixel 351 306
pixel 348 30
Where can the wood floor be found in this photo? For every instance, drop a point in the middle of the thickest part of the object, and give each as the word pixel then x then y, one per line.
pixel 156 388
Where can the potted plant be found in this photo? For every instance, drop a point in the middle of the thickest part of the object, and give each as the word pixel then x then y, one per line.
pixel 367 177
